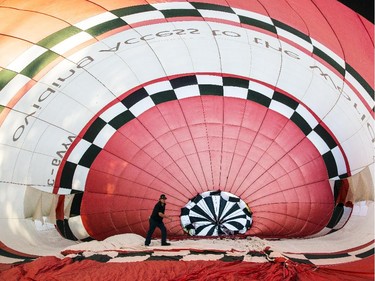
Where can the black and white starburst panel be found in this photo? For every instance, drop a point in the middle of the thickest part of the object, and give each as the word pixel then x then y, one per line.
pixel 214 213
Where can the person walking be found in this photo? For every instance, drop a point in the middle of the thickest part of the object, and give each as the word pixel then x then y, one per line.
pixel 156 220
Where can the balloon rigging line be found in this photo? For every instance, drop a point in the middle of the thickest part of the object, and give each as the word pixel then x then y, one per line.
pixel 235 147
pixel 208 142
pixel 29 184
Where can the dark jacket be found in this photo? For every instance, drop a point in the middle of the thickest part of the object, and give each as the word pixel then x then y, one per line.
pixel 159 208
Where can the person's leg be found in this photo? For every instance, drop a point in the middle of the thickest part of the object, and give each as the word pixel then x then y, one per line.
pixel 163 233
pixel 150 232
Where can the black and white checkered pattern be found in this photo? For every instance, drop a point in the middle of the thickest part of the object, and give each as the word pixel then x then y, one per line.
pixel 267 255
pixel 132 105
pixel 58 43
pixel 334 257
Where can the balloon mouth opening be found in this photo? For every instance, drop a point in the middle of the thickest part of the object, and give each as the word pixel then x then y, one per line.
pixel 216 213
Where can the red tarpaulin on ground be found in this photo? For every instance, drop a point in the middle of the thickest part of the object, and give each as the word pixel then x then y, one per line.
pixel 52 268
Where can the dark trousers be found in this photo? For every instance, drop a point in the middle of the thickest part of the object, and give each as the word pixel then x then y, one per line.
pixel 154 224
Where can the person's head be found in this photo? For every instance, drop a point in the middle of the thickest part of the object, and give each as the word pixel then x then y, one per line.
pixel 162 198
